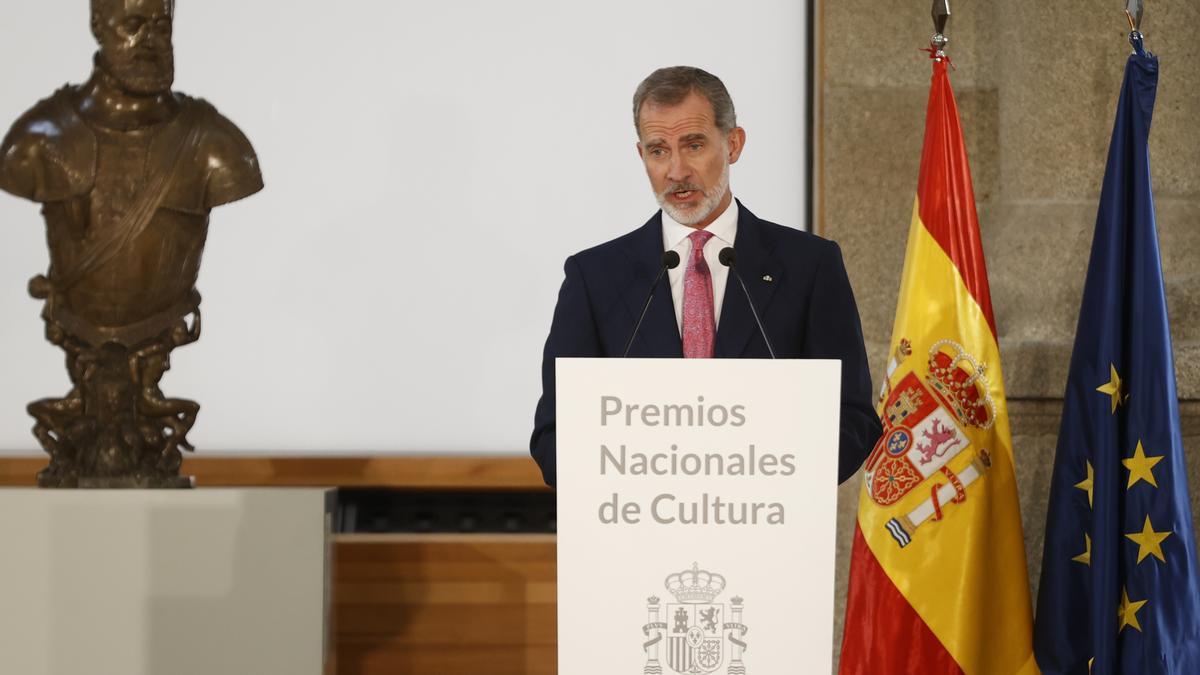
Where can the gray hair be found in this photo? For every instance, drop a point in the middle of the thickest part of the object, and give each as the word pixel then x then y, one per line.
pixel 669 86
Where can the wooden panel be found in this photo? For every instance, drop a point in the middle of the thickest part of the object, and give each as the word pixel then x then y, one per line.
pixel 411 471
pixel 445 604
pixel 449 661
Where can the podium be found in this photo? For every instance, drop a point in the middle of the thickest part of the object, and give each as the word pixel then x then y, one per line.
pixel 696 515
pixel 157 582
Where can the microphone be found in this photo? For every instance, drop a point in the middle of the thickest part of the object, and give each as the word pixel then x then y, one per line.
pixel 670 260
pixel 728 258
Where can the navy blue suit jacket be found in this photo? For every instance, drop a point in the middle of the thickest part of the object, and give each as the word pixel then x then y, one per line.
pixel 807 308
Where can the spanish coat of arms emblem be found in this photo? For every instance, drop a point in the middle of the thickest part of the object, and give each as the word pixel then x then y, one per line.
pixel 925 426
pixel 691 633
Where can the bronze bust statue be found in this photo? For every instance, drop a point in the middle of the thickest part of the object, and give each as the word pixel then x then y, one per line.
pixel 127 171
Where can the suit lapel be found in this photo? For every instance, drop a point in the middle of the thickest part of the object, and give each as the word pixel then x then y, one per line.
pixel 762 274
pixel 659 334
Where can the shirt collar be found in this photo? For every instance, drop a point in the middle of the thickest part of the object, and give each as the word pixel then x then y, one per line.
pixel 723 228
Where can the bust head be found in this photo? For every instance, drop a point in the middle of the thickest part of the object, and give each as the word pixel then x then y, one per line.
pixel 135 43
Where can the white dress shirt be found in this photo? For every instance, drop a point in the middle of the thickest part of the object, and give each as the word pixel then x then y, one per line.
pixel 675 237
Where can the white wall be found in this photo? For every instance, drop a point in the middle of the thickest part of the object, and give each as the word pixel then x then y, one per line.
pixel 429 166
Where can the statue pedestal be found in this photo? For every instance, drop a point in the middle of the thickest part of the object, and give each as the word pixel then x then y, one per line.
pixel 148 582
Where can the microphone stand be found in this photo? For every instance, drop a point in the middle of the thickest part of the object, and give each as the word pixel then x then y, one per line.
pixel 728 258
pixel 670 260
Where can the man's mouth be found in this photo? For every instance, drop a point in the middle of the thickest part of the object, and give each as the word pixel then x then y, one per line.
pixel 684 195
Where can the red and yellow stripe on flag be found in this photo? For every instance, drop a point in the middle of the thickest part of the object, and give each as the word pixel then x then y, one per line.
pixel 937 580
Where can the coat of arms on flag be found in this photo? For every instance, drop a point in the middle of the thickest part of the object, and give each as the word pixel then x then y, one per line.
pixel 925 425
pixel 692 632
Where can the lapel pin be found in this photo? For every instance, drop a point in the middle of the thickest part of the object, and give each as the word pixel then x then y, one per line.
pixel 768 278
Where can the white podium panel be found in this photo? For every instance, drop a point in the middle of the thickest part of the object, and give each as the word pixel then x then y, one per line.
pixel 163 582
pixel 696 515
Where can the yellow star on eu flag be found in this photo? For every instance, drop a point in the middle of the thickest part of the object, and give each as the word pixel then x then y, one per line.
pixel 1086 556
pixel 1127 613
pixel 1141 467
pixel 1086 484
pixel 1112 387
pixel 1149 542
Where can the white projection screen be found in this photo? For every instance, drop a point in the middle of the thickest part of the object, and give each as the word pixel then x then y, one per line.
pixel 428 168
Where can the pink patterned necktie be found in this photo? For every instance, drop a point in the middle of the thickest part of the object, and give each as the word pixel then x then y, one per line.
pixel 699 325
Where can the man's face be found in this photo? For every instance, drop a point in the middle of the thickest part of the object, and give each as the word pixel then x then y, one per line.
pixel 135 43
pixel 687 158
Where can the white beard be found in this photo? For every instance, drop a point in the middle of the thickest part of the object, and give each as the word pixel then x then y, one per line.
pixel 691 216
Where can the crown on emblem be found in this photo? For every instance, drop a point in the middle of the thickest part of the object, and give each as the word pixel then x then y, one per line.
pixel 959 378
pixel 695 586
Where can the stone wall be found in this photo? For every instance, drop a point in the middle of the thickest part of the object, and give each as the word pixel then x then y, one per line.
pixel 1037 86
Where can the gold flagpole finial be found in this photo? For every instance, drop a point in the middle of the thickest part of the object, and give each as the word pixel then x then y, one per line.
pixel 1133 12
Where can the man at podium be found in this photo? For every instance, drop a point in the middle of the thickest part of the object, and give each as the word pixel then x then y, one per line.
pixel 687 139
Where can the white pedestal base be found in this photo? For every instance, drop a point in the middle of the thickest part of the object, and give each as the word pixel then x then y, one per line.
pixel 163 582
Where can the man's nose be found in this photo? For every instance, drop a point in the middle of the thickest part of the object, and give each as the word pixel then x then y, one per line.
pixel 678 171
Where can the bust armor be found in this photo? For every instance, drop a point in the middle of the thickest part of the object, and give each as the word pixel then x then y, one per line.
pixel 127 172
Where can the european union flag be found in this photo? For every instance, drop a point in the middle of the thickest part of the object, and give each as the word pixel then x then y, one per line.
pixel 1119 588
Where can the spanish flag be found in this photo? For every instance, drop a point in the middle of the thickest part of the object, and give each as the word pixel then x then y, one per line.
pixel 938 583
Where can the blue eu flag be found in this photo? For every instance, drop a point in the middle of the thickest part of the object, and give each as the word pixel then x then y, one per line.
pixel 1119 591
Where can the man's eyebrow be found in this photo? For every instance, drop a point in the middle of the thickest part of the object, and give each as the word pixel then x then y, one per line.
pixel 655 140
pixel 694 137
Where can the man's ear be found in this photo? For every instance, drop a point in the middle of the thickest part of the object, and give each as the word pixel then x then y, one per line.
pixel 641 153
pixel 737 141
